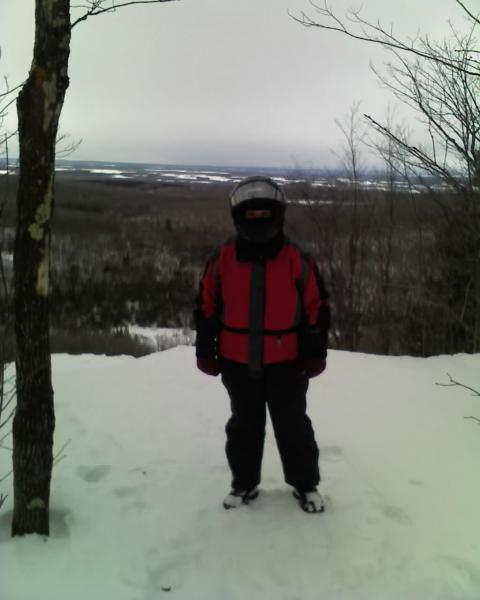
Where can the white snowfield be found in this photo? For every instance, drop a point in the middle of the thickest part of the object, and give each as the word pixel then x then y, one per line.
pixel 136 502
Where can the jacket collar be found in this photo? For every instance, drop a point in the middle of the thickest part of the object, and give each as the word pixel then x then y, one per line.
pixel 250 252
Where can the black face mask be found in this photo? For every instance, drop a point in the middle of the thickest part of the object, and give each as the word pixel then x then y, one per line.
pixel 259 230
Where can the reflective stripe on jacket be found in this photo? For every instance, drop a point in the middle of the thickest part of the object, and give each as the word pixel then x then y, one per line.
pixel 262 311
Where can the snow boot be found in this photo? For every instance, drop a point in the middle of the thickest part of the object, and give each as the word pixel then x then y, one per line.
pixel 310 502
pixel 238 497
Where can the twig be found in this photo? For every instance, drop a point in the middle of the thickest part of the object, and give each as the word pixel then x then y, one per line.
pixel 378 34
pixel 475 18
pixel 67 150
pixel 8 434
pixel 3 94
pixel 57 458
pixel 474 418
pixel 2 479
pixel 457 383
pixel 95 8
pixel 10 416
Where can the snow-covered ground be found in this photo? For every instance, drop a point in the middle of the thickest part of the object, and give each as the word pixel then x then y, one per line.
pixel 136 502
pixel 163 338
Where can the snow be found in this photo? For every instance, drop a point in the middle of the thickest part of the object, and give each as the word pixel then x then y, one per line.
pixel 106 171
pixel 161 338
pixel 136 502
pixel 216 178
pixel 178 175
pixel 310 202
pixel 163 170
pixel 7 258
pixel 195 176
pixel 218 173
pixel 284 180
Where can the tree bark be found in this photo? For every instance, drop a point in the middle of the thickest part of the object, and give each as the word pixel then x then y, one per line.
pixel 39 106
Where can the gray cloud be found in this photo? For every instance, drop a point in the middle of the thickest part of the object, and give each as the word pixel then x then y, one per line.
pixel 215 81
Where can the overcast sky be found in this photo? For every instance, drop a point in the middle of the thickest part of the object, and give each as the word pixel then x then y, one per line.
pixel 233 82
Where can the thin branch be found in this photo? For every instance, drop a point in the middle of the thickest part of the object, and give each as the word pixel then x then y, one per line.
pixel 9 418
pixel 2 479
pixel 474 419
pixel 3 112
pixel 423 160
pixel 7 403
pixel 380 35
pixel 454 383
pixel 10 379
pixel 59 456
pixel 8 434
pixel 475 19
pixel 9 136
pixel 95 8
pixel 66 150
pixel 11 90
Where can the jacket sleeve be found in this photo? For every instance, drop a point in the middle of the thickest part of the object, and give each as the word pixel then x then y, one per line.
pixel 317 318
pixel 207 311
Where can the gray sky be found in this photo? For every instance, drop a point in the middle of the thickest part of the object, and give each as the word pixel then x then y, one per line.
pixel 216 81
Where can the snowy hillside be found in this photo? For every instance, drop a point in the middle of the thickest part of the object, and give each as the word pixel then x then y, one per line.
pixel 136 502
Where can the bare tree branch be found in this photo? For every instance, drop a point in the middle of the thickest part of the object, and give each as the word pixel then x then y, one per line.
pixel 454 383
pixel 95 8
pixel 67 150
pixel 8 136
pixel 2 479
pixel 11 90
pixel 7 435
pixel 423 160
pixel 475 18
pixel 8 418
pixel 3 109
pixel 474 419
pixel 376 33
pixel 59 456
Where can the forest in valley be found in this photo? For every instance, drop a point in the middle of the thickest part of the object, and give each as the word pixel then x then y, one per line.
pixel 131 252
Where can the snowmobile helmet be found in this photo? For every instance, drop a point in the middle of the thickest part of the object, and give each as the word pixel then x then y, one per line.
pixel 258 209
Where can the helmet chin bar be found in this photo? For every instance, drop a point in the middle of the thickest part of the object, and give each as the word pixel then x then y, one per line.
pixel 257 231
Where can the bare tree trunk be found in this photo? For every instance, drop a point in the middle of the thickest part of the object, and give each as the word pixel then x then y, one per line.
pixel 39 105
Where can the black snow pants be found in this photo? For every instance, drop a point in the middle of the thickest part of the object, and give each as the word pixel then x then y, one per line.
pixel 283 390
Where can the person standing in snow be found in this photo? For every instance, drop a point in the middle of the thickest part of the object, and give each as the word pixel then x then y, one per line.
pixel 262 320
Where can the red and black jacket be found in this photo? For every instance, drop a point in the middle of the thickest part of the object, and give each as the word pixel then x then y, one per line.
pixel 261 308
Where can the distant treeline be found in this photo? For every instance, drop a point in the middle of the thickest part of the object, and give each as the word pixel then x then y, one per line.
pixel 126 254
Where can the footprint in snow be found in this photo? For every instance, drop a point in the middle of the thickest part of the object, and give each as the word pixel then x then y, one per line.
pixel 331 453
pixel 164 571
pixel 124 492
pixel 416 482
pixel 395 513
pixel 94 474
